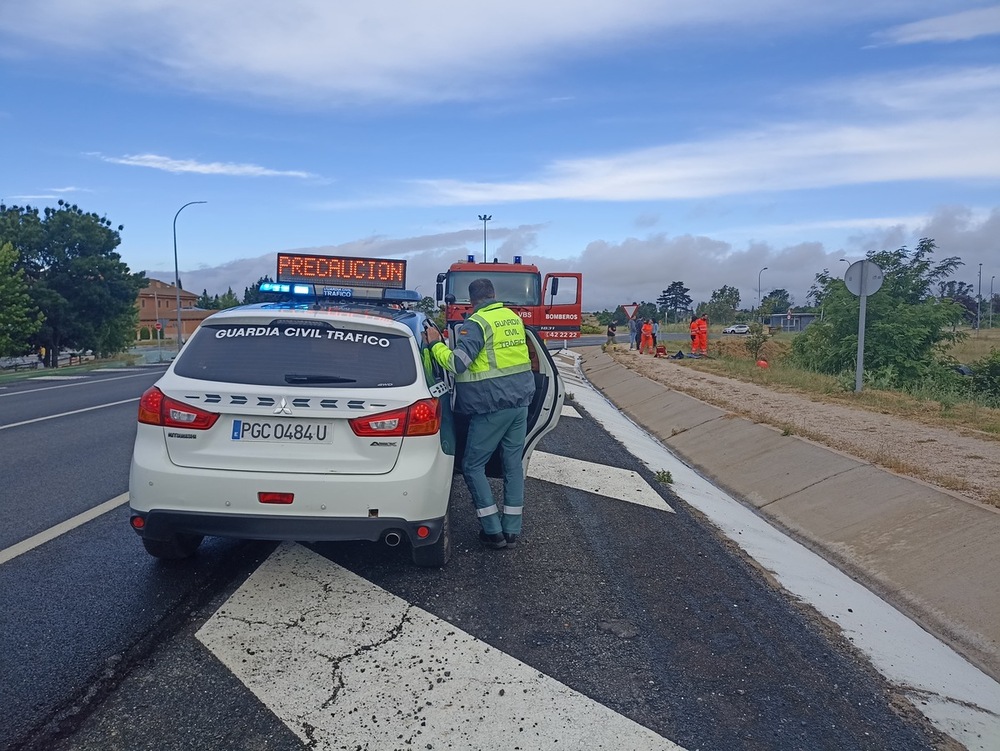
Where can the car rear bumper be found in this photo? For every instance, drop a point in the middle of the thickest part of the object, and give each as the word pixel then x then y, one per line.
pixel 161 524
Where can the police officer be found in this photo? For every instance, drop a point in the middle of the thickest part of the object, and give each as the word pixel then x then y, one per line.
pixel 494 386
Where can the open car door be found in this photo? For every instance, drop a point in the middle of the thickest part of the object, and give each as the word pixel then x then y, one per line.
pixel 543 413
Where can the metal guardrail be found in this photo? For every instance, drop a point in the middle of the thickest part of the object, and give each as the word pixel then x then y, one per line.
pixel 28 362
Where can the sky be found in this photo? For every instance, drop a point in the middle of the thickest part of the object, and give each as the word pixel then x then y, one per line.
pixel 639 142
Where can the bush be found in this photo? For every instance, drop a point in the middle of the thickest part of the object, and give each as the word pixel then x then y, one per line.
pixel 986 378
pixel 756 340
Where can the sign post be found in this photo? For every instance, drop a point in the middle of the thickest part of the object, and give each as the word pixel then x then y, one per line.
pixel 159 340
pixel 863 278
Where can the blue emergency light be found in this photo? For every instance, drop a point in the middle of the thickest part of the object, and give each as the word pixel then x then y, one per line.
pixel 275 287
pixel 470 258
pixel 517 259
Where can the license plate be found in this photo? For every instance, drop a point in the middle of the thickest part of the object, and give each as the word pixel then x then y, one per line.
pixel 280 431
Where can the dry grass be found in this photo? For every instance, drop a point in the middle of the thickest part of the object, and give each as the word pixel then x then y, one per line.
pixel 889 430
pixel 976 345
pixel 729 357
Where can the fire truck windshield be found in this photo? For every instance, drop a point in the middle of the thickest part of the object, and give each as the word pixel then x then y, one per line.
pixel 513 288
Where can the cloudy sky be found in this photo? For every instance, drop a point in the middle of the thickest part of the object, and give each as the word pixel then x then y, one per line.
pixel 640 141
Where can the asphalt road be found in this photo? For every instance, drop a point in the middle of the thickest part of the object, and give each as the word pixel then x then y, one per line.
pixel 647 613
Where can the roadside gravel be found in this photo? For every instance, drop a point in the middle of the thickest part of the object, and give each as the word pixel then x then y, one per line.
pixel 965 463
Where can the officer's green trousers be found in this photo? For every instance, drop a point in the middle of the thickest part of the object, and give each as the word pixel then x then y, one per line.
pixel 505 428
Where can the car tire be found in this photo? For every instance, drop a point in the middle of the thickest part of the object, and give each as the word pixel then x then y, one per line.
pixel 436 554
pixel 177 547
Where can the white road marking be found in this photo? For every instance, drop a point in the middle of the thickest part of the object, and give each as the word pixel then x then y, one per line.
pixel 345 664
pixel 58 378
pixel 958 698
pixel 67 414
pixel 62 528
pixel 68 385
pixel 569 411
pixel 612 482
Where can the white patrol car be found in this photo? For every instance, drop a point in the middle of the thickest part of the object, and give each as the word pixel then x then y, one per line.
pixel 325 420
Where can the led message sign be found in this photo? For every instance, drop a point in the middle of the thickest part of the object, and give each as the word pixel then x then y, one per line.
pixel 346 271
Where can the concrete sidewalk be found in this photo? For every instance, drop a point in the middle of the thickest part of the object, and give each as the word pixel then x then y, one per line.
pixel 931 553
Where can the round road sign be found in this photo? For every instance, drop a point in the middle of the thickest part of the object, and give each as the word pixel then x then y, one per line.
pixel 158 325
pixel 863 271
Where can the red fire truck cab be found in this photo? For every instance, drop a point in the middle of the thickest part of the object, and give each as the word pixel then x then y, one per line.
pixel 550 306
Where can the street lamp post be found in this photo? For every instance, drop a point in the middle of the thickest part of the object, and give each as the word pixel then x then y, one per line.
pixel 979 301
pixel 484 218
pixel 177 273
pixel 759 301
pixel 991 300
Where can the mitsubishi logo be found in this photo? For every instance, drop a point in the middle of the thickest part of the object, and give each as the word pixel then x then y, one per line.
pixel 283 408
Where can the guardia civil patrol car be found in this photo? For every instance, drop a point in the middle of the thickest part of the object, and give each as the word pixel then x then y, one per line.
pixel 317 417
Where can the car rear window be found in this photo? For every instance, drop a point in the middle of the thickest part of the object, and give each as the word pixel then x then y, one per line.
pixel 292 353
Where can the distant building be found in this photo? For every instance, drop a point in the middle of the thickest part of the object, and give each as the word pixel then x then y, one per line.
pixel 791 321
pixel 158 302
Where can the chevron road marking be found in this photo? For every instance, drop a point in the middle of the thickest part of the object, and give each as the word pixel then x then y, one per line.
pixel 612 482
pixel 346 664
pixel 569 411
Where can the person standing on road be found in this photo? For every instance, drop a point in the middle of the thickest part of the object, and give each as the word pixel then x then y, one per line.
pixel 633 333
pixel 612 332
pixel 693 328
pixel 493 386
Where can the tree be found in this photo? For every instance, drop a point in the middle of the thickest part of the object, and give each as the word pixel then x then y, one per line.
pixel 675 299
pixel 228 300
pixel 204 301
pixel 906 323
pixel 253 294
pixel 74 277
pixel 721 308
pixel 18 317
pixel 777 301
pixel 960 293
pixel 647 310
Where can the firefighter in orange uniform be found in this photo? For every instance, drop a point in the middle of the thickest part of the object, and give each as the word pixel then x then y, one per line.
pixel 701 342
pixel 647 337
pixel 693 328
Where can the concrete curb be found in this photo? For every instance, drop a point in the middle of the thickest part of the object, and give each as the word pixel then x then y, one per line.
pixel 932 553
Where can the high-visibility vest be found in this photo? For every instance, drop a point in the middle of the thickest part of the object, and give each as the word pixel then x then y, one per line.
pixel 505 351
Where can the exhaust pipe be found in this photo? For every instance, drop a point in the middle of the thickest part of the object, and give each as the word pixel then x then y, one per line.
pixel 392 539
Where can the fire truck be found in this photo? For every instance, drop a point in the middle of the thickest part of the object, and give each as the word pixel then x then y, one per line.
pixel 551 305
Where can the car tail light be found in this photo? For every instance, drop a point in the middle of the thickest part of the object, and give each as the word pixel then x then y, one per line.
pixel 156 408
pixel 280 498
pixel 420 418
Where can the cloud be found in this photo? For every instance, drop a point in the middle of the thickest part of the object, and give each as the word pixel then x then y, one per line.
pixel 957 27
pixel 780 158
pixel 640 269
pixel 176 166
pixel 321 53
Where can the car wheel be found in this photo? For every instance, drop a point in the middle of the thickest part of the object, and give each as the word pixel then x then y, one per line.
pixel 177 547
pixel 437 554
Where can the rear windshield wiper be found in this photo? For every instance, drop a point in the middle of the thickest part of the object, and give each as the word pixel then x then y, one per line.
pixel 302 378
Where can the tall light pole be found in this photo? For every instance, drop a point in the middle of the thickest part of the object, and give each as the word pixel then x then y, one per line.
pixel 991 300
pixel 484 218
pixel 759 301
pixel 979 300
pixel 177 272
